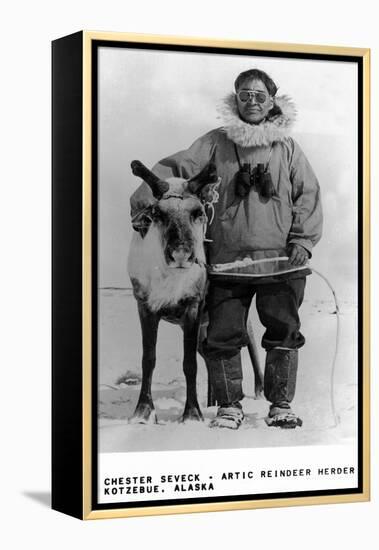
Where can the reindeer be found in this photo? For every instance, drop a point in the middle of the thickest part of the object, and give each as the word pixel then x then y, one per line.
pixel 167 269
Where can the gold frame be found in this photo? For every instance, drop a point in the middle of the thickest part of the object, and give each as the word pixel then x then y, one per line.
pixel 364 53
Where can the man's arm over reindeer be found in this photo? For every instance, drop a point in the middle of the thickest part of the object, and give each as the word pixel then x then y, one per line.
pixel 184 164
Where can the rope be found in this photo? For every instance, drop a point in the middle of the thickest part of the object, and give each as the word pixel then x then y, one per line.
pixel 215 195
pixel 336 416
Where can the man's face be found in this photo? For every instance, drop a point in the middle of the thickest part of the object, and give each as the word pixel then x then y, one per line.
pixel 256 106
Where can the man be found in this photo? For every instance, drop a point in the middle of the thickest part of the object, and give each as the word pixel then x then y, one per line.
pixel 269 207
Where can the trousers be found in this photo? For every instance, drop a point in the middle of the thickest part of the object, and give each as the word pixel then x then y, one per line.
pixel 228 307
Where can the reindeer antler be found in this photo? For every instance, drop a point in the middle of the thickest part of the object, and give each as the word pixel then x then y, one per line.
pixel 158 186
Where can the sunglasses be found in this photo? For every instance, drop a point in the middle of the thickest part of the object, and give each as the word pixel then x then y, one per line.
pixel 245 95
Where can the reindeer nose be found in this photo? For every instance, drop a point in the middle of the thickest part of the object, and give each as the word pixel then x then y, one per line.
pixel 181 255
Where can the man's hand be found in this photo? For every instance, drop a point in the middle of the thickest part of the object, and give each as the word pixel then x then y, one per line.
pixel 297 255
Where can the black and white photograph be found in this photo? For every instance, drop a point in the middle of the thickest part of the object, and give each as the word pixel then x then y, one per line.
pixel 228 281
pixel 189 275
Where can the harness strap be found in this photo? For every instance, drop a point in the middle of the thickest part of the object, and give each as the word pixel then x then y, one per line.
pixel 237 155
pixel 268 158
pixel 239 159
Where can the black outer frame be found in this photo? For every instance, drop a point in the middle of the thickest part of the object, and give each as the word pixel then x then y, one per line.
pixel 67 414
pixel 67 163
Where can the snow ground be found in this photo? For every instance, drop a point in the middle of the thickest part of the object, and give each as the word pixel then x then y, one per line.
pixel 119 373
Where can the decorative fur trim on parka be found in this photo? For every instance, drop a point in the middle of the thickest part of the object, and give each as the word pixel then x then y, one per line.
pixel 274 128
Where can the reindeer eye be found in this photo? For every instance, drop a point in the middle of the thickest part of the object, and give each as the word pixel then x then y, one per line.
pixel 197 213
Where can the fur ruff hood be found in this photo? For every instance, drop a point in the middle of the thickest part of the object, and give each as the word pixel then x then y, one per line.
pixel 274 128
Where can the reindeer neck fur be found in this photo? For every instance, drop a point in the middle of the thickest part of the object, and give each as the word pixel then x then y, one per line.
pixel 156 283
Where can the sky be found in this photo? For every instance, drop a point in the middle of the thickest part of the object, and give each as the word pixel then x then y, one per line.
pixel 152 104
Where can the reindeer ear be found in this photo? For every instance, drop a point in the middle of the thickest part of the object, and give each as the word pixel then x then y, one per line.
pixel 158 186
pixel 207 175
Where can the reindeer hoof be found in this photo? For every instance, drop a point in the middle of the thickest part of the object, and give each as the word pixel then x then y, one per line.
pixel 193 414
pixel 144 414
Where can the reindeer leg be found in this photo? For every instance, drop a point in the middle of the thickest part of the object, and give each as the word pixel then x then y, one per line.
pixel 253 352
pixel 190 339
pixel 145 411
pixel 211 400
